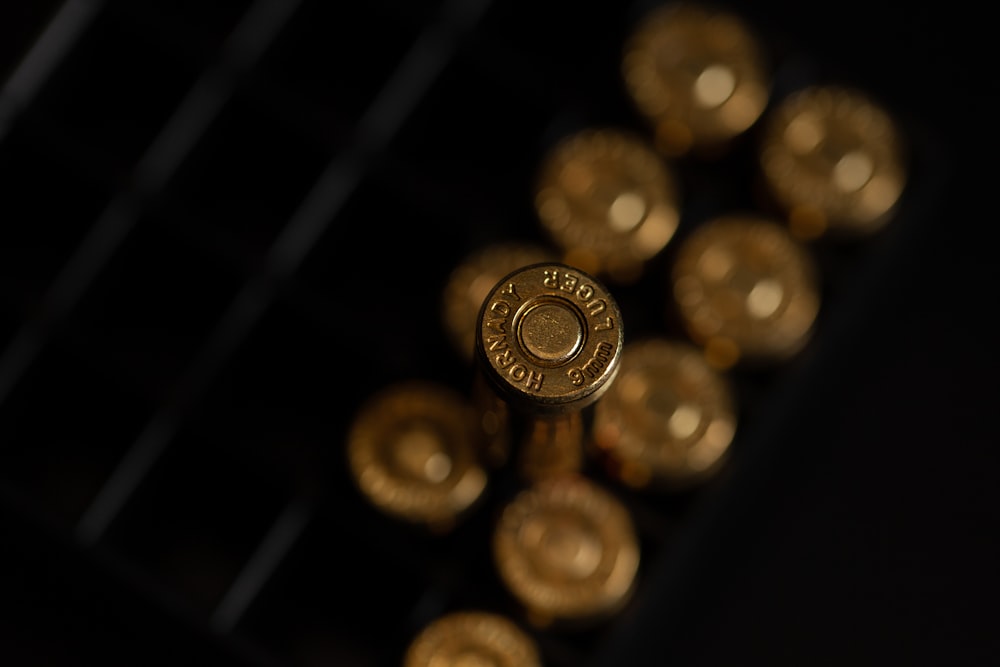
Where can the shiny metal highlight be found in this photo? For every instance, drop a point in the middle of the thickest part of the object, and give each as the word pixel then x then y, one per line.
pixel 668 420
pixel 472 639
pixel 412 452
pixel 746 290
pixel 608 200
pixel 699 75
pixel 567 550
pixel 834 161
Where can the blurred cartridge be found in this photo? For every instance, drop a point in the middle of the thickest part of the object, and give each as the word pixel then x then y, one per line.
pixel 472 638
pixel 833 160
pixel 668 420
pixel 698 74
pixel 745 290
pixel 608 200
pixel 567 551
pixel 412 452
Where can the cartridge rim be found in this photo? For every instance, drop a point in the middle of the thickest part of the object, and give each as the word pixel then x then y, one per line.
pixel 567 550
pixel 746 290
pixel 834 161
pixel 698 73
pixel 669 419
pixel 472 637
pixel 411 450
pixel 608 200
pixel 544 363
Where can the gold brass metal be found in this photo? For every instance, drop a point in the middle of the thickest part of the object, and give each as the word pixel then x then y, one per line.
pixel 833 160
pixel 746 290
pixel 698 74
pixel 496 431
pixel 668 420
pixel 553 445
pixel 548 444
pixel 608 200
pixel 549 338
pixel 470 283
pixel 412 452
pixel 472 639
pixel 567 550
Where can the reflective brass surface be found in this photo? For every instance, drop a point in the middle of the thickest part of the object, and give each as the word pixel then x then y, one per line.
pixel 472 639
pixel 698 74
pixel 494 422
pixel 833 159
pixel 608 200
pixel 668 420
pixel 470 283
pixel 567 550
pixel 412 452
pixel 746 290
pixel 549 338
pixel 553 445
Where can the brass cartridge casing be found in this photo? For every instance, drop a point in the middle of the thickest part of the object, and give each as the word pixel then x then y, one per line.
pixel 472 638
pixel 746 290
pixel 412 452
pixel 834 161
pixel 567 551
pixel 698 74
pixel 608 200
pixel 548 344
pixel 669 419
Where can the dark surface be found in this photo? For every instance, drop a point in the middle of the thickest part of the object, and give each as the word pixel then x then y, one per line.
pixel 855 525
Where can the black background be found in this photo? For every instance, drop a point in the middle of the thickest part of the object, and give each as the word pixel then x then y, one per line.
pixel 857 527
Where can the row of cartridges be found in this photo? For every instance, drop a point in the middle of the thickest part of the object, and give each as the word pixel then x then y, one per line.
pixel 557 386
